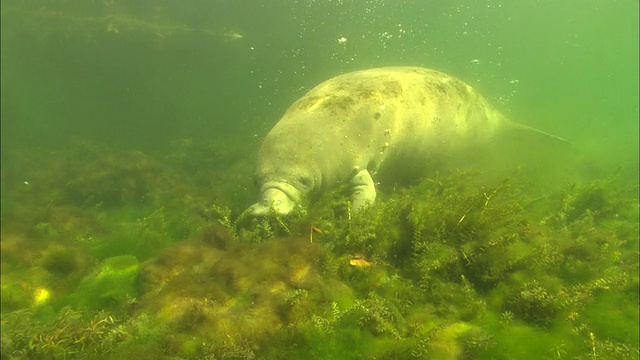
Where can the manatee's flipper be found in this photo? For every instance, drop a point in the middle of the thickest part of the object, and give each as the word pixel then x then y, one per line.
pixel 363 190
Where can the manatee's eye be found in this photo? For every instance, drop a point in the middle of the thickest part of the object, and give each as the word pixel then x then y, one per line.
pixel 305 181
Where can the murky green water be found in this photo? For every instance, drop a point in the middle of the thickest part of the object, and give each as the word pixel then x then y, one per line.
pixel 129 137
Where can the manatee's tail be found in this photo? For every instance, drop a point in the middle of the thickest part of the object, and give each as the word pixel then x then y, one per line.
pixel 537 131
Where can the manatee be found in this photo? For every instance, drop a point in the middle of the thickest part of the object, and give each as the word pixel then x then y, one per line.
pixel 347 128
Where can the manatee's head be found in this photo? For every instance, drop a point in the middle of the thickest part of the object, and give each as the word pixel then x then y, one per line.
pixel 287 169
pixel 281 191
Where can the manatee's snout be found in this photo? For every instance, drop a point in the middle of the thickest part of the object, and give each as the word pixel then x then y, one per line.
pixel 273 198
pixel 280 197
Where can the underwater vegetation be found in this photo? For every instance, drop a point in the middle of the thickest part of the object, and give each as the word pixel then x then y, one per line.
pixel 117 255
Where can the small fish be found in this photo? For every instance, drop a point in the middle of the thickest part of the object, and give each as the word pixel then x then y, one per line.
pixel 232 35
pixel 359 261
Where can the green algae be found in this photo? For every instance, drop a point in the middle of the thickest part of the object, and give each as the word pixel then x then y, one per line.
pixel 110 285
pixel 445 269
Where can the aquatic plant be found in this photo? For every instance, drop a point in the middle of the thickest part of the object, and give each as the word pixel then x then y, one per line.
pixel 110 285
pixel 66 334
pixel 63 260
pixel 452 267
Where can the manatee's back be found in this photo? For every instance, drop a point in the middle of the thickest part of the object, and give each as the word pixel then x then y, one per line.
pixel 356 119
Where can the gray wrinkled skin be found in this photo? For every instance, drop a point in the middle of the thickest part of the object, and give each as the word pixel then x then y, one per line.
pixel 344 130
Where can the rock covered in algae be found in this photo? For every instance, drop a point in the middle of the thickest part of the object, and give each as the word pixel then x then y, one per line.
pixel 110 284
pixel 235 292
